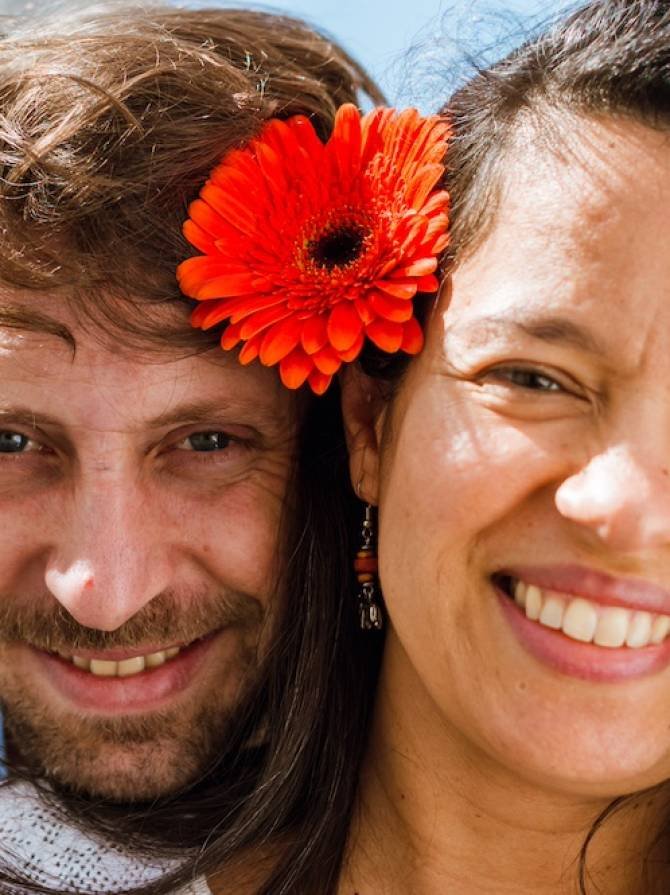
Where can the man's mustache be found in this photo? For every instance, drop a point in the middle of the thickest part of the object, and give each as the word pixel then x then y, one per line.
pixel 168 619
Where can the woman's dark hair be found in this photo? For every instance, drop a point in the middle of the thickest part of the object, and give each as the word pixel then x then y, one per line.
pixel 110 121
pixel 605 58
pixel 608 58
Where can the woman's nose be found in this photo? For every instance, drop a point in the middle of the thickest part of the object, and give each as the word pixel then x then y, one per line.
pixel 109 561
pixel 623 496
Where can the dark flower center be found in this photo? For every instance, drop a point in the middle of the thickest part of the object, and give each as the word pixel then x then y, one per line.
pixel 338 247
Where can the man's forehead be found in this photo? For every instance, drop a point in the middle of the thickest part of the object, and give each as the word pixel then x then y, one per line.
pixel 103 378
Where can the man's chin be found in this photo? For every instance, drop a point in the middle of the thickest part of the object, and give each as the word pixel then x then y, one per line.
pixel 127 774
pixel 131 759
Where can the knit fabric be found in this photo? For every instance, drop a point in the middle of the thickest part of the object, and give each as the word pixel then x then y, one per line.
pixel 45 848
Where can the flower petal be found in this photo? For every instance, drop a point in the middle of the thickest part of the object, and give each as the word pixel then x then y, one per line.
pixel 327 360
pixel 386 335
pixel 422 184
pixel 208 314
pixel 419 268
pixel 199 238
pixel 364 311
pixel 345 142
pixel 268 201
pixel 319 382
pixel 245 305
pixel 230 337
pixel 231 208
pixel 397 309
pixel 412 337
pixel 280 340
pixel 314 334
pixel 352 353
pixel 228 286
pixel 295 368
pixel 304 132
pixel 397 289
pixel 256 323
pixel 250 350
pixel 428 284
pixel 344 326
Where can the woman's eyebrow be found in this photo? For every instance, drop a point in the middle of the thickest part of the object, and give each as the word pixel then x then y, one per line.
pixel 547 328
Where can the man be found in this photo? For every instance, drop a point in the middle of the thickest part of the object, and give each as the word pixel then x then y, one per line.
pixel 144 480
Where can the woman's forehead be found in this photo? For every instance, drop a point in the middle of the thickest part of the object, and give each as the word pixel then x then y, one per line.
pixel 577 232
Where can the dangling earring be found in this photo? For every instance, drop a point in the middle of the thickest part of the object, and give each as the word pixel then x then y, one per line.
pixel 370 616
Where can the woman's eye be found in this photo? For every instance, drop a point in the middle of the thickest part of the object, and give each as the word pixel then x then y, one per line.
pixel 205 442
pixel 528 379
pixel 15 443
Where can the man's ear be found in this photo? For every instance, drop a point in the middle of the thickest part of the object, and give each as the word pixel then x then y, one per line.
pixel 363 408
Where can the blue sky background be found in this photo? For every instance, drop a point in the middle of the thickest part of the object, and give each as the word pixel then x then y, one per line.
pixel 439 33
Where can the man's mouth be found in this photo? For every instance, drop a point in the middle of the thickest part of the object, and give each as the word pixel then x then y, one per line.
pixel 584 620
pixel 123 667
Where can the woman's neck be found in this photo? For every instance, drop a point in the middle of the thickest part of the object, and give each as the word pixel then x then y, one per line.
pixel 437 816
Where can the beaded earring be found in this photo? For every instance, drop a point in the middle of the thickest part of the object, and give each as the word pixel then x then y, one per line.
pixel 370 615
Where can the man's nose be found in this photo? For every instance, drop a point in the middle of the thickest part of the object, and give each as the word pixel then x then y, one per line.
pixel 108 562
pixel 623 496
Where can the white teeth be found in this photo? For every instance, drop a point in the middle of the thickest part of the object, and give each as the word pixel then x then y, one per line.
pixel 552 612
pixel 103 668
pixel 587 622
pixel 520 594
pixel 125 667
pixel 660 628
pixel 639 630
pixel 612 627
pixel 580 621
pixel 533 603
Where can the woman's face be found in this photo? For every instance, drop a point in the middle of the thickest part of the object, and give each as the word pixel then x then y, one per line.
pixel 528 452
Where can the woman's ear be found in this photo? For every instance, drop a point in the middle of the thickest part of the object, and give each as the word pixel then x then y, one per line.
pixel 363 408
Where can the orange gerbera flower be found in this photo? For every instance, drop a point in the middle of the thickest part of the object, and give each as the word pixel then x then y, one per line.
pixel 310 247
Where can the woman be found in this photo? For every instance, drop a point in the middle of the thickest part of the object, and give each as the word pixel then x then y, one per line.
pixel 520 467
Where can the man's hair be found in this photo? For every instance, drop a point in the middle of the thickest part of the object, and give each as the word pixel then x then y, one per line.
pixel 110 121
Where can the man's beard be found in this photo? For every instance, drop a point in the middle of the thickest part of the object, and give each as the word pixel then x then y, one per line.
pixel 137 756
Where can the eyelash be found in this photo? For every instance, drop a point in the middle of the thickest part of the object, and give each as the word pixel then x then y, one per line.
pixel 508 373
pixel 37 447
pixel 211 456
pixel 32 446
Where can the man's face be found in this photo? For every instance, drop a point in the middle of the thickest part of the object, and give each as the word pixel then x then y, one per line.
pixel 141 499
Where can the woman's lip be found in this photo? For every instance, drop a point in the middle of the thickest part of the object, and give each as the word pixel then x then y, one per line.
pixel 582 660
pixel 599 587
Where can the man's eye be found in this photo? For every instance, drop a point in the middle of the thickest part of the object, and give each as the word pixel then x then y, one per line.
pixel 205 441
pixel 14 443
pixel 529 379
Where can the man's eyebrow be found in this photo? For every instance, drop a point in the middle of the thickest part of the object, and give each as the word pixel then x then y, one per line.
pixel 546 328
pixel 191 412
pixel 25 417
